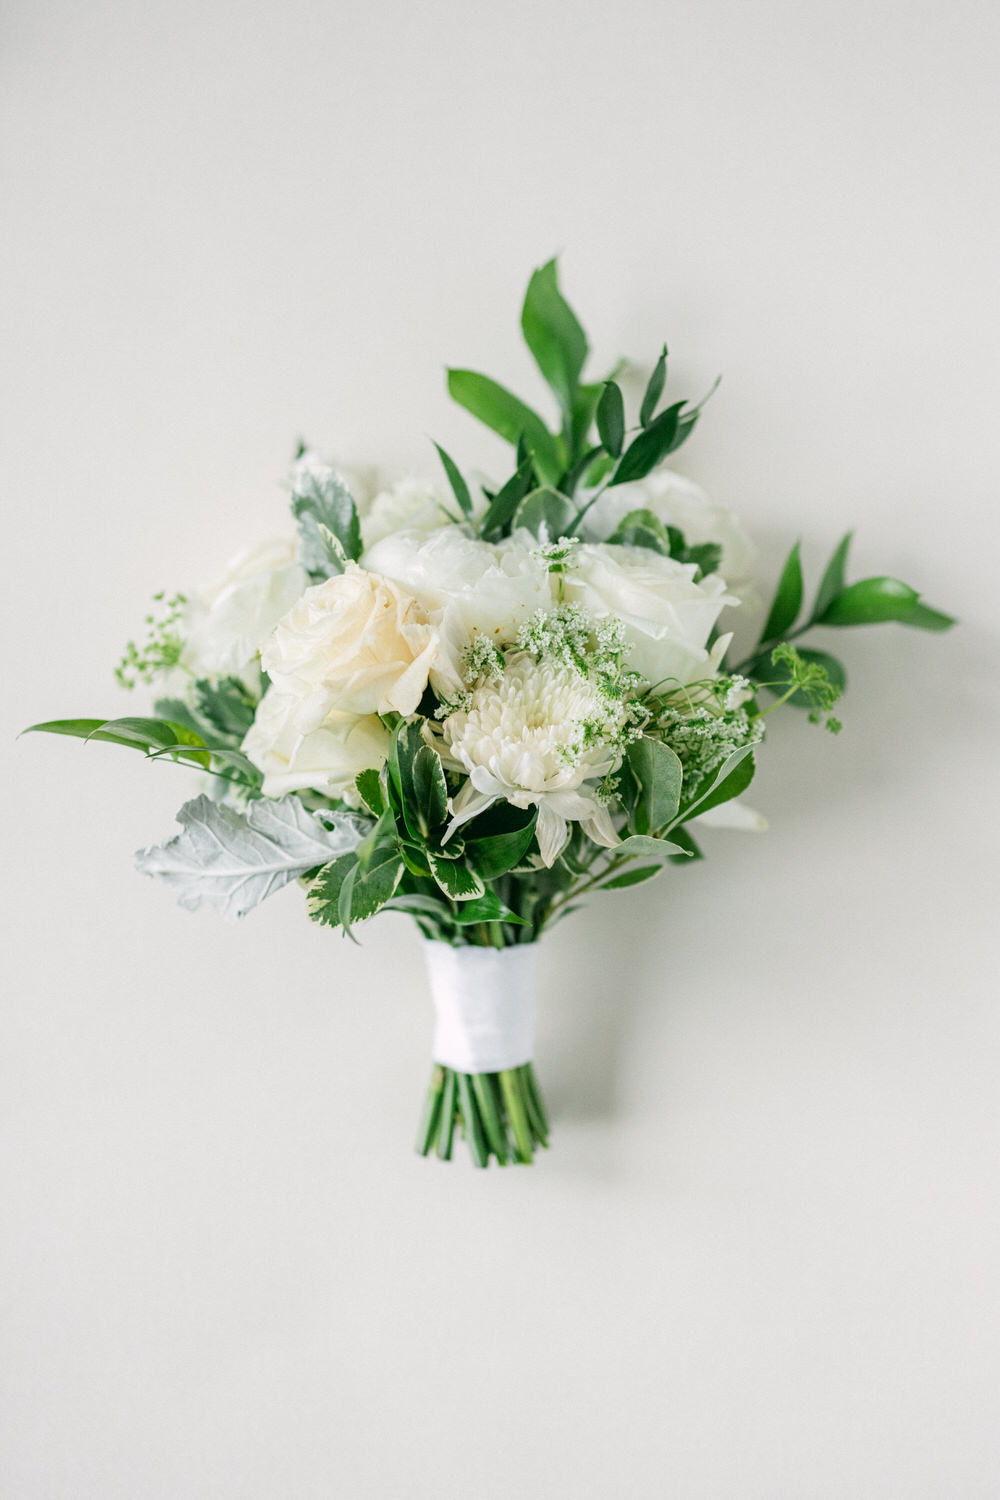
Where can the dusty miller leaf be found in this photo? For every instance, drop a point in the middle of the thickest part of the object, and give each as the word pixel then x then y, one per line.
pixel 232 860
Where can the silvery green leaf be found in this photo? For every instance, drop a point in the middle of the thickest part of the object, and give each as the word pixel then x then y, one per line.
pixel 231 859
pixel 328 520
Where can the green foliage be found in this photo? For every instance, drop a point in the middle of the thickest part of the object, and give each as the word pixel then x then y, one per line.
pixel 226 705
pixel 611 418
pixel 553 334
pixel 653 775
pixel 509 417
pixel 161 738
pixel 499 839
pixel 418 779
pixel 874 601
pixel 369 785
pixel 663 435
pixel 458 485
pixel 153 737
pixel 634 876
pixel 787 599
pixel 327 517
pixel 654 390
pixel 730 780
pixel 834 577
pixel 162 649
pixel 545 512
pixel 503 506
pixel 458 882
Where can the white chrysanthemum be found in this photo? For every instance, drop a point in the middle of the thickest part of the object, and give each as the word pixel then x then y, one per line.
pixel 521 738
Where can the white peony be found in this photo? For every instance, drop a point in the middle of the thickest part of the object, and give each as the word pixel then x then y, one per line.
pixel 408 505
pixel 677 502
pixel 355 644
pixel 469 589
pixel 227 625
pixel 668 617
pixel 519 740
pixel 327 759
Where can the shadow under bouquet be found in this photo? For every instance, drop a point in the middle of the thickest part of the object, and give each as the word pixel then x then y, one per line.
pixel 477 703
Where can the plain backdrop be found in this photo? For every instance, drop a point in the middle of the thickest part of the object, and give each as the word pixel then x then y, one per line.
pixel 760 1262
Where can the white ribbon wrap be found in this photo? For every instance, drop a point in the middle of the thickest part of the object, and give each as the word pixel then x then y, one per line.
pixel 485 1001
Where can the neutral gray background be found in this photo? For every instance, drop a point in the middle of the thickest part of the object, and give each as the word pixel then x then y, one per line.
pixel 761 1261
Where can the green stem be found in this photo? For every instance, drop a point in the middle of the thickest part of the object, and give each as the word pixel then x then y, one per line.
pixel 510 1084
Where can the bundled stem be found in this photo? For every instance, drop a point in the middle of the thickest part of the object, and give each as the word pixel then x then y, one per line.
pixel 499 1114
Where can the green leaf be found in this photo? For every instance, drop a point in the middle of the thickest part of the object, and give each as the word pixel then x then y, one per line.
pixel 546 508
pixel 457 881
pixel 923 617
pixel 643 528
pixel 328 522
pixel 226 705
pixel 654 389
pixel 658 775
pixel 553 334
pixel 690 852
pixel 650 447
pixel 348 891
pixel 631 877
pixel 730 780
pixel 369 785
pixel 787 599
pixel 642 847
pixel 487 908
pixel 508 416
pixel 152 736
pixel 569 481
pixel 871 601
pixel 834 576
pixel 611 418
pixel 504 504
pixel 584 406
pixel 875 601
pixel 491 854
pixel 458 485
pixel 419 779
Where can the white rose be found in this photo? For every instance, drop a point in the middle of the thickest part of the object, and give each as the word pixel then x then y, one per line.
pixel 355 644
pixel 513 741
pixel 327 759
pixel 227 625
pixel 469 588
pixel 677 502
pixel 667 616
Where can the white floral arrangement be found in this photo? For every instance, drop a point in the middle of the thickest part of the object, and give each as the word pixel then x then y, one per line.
pixel 474 703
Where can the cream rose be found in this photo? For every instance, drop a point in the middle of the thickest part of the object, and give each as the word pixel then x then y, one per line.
pixel 677 502
pixel 327 759
pixel 355 644
pixel 469 589
pixel 668 617
pixel 227 625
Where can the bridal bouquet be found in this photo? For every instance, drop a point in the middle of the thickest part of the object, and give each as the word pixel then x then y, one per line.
pixel 476 702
